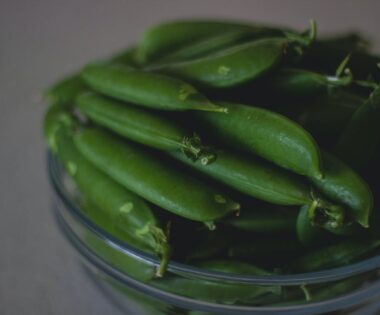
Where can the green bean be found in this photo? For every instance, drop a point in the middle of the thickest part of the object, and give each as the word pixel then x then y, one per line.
pixel 65 91
pixel 342 184
pixel 145 127
pixel 131 216
pixel 166 37
pixel 145 89
pixel 232 66
pixel 267 134
pixel 359 140
pixel 334 255
pixel 153 179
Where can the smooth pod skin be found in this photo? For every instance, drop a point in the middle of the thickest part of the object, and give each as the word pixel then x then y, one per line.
pixel 161 39
pixel 131 217
pixel 254 177
pixel 334 255
pixel 264 220
pixel 133 267
pixel 143 126
pixel 231 66
pixel 341 184
pixel 358 142
pixel 267 134
pixel 217 42
pixel 153 179
pixel 304 83
pixel 65 91
pixel 145 89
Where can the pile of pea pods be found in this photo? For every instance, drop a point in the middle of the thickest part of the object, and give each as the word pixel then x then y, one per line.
pixel 229 146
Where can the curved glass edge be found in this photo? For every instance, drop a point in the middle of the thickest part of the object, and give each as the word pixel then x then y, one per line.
pixel 56 174
pixel 343 302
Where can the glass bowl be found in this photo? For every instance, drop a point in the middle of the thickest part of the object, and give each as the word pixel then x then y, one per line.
pixel 127 274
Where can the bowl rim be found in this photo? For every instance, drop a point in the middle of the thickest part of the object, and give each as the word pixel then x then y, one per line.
pixel 56 174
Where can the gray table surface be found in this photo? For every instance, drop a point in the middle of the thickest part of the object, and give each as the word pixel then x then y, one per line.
pixel 43 40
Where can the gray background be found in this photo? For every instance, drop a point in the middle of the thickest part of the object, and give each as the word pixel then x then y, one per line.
pixel 41 41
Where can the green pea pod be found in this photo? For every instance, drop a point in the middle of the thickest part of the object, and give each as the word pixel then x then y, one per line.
pixel 131 216
pixel 266 134
pixel 254 177
pixel 133 267
pixel 304 83
pixel 232 66
pixel 277 249
pixel 335 255
pixel 56 115
pixel 265 181
pixel 145 89
pixel 226 293
pixel 352 42
pixel 325 117
pixel 127 57
pixel 213 244
pixel 142 126
pixel 65 91
pixel 231 266
pixel 264 220
pixel 217 42
pixel 359 140
pixel 164 38
pixel 153 178
pixel 341 184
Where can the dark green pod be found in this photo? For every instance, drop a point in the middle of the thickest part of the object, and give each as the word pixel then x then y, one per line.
pixel 164 38
pixel 267 134
pixel 264 220
pixel 303 83
pixel 255 177
pixel 232 66
pixel 214 43
pixel 335 255
pixel 65 91
pixel 130 216
pixel 145 89
pixel 152 178
pixel 142 126
pixel 341 184
pixel 359 140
